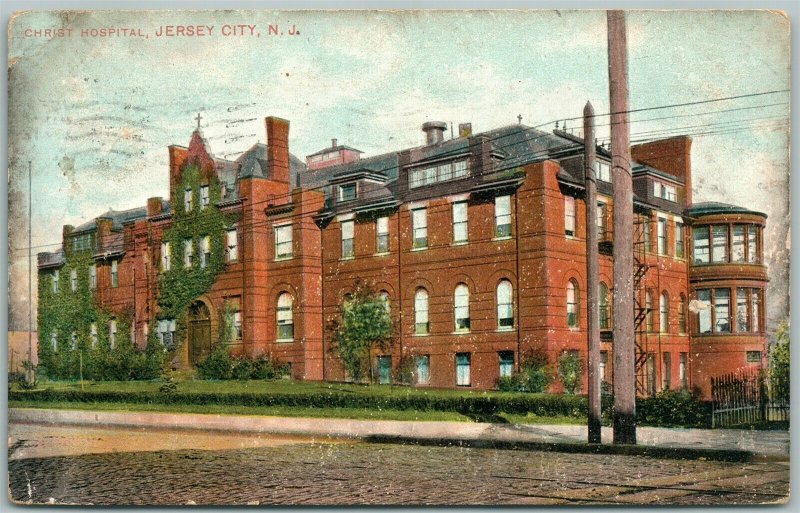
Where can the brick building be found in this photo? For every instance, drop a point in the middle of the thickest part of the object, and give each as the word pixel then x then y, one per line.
pixel 476 242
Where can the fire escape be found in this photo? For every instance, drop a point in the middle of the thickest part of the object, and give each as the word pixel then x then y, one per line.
pixel 641 239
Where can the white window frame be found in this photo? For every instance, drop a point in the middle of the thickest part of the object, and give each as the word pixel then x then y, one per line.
pixel 569 216
pixel 502 217
pixel 188 253
pixel 166 256
pixel 284 317
pixel 419 228
pixel 93 336
pixel 348 239
pixel 382 235
pixel 232 244
pixel 460 222
pixel 421 322
pixel 353 186
pixel 505 305
pixel 114 273
pixel 663 313
pixel 54 280
pixel 73 280
pixel 205 251
pixel 112 333
pixel 188 200
pixel 661 235
pixel 205 199
pixel 463 370
pixel 461 319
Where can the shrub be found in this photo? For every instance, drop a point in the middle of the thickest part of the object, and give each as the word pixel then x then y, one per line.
pixel 570 369
pixel 534 374
pixel 673 408
pixel 217 365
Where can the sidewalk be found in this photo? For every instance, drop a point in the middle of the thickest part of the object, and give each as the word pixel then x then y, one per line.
pixel 723 444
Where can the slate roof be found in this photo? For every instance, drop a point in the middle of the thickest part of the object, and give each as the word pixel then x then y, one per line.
pixel 331 149
pixel 716 207
pixel 118 218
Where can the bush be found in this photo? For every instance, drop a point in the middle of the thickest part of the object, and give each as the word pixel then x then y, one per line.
pixel 534 375
pixel 222 366
pixel 673 408
pixel 570 369
pixel 217 365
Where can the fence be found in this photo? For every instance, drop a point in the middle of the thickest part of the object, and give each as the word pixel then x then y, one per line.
pixel 745 397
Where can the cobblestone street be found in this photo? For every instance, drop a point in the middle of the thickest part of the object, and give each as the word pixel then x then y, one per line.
pixel 304 472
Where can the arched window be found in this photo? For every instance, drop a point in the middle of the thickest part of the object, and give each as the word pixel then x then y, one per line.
pixel 602 303
pixel 384 297
pixel 663 313
pixel 648 309
pixel 682 314
pixel 461 307
pixel 572 304
pixel 505 308
pixel 421 312
pixel 284 317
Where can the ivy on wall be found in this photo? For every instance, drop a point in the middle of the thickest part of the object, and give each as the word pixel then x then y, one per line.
pixel 70 314
pixel 181 285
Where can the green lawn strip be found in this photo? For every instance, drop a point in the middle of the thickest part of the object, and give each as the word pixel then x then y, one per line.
pixel 331 413
pixel 513 418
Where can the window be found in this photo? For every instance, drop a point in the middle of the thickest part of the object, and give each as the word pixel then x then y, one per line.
pixel 460 222
pixel 419 226
pixel 502 216
pixel 682 314
pixel 700 247
pixel 93 335
pixel 461 307
pixel 204 198
pixel 112 333
pixel 748 306
pixel 73 280
pixel 738 243
pixel 506 362
pixel 384 297
pixel 661 233
pixel 719 244
pixel 187 200
pixel 753 357
pixel 166 256
pixel 423 369
pixel 205 251
pixel 382 232
pixel 384 369
pixel 602 211
pixel 704 314
pixel 462 369
pixel 722 298
pixel 347 192
pixel 602 170
pixel 569 216
pixel 437 173
pixel 93 276
pixel 283 240
pixel 237 325
pixel 572 304
pixel 682 368
pixel 54 341
pixel 348 228
pixel 666 370
pixel 166 333
pixel 114 274
pixel 753 247
pixel 505 307
pixel 667 192
pixel 232 244
pixel 421 312
pixel 646 233
pixel 73 340
pixel 648 311
pixel 188 253
pixel 602 366
pixel 679 241
pixel 663 314
pixel 603 306
pixel 54 280
pixel 284 317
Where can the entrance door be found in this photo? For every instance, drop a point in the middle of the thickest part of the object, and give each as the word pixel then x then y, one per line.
pixel 199 333
pixel 384 370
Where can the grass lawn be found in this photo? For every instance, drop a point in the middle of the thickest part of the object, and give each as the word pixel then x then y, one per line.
pixel 330 413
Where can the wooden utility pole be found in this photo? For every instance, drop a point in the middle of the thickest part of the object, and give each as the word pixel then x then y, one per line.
pixel 623 331
pixel 29 371
pixel 592 275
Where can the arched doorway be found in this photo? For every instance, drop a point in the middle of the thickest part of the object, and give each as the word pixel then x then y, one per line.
pixel 199 332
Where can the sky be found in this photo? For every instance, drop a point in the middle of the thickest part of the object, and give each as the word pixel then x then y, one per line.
pixel 94 115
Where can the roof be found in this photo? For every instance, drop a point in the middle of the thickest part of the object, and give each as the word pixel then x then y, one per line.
pixel 715 207
pixel 118 218
pixel 253 163
pixel 331 149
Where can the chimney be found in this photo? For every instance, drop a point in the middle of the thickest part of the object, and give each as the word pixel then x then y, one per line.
pixel 154 206
pixel 278 148
pixel 434 132
pixel 464 129
pixel 333 143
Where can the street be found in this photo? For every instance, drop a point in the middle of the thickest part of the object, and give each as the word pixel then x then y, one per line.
pixel 114 466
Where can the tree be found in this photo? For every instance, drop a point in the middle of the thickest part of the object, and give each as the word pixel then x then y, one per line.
pixel 570 368
pixel 779 363
pixel 365 325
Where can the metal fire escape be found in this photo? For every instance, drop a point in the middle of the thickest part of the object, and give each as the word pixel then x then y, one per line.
pixel 640 269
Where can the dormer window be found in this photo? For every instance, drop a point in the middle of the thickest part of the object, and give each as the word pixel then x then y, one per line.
pixel 443 172
pixel 667 192
pixel 347 192
pixel 603 171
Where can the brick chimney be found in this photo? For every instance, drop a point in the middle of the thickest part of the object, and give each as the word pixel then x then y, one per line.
pixel 277 148
pixel 154 206
pixel 464 129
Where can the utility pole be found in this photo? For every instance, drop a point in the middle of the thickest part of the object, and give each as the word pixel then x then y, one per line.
pixel 592 275
pixel 623 332
pixel 29 372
